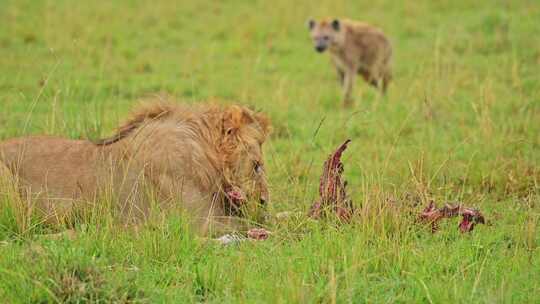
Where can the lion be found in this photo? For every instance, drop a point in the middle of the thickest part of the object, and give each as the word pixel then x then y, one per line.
pixel 207 160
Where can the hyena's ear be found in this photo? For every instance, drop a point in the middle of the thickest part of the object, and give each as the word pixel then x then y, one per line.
pixel 335 24
pixel 311 24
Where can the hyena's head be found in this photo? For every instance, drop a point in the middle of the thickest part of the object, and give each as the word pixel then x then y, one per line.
pixel 325 33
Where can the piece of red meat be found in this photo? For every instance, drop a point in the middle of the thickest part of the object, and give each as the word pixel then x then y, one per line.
pixel 470 217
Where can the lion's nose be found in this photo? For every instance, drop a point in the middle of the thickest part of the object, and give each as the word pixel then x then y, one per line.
pixel 320 48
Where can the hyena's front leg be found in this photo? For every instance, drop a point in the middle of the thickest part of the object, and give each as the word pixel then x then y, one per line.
pixel 348 84
pixel 341 75
pixel 339 69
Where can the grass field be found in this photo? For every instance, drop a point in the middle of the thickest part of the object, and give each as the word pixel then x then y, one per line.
pixel 461 122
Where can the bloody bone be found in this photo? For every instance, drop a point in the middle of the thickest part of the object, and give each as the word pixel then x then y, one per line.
pixel 332 189
pixel 470 217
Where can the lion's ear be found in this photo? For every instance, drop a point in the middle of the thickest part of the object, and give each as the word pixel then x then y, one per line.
pixel 235 117
pixel 264 123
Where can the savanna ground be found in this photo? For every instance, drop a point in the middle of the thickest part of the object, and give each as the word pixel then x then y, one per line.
pixel 461 123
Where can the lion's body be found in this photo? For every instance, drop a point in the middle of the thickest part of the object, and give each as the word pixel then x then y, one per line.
pixel 179 154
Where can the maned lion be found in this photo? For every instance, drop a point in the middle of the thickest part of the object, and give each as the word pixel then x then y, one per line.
pixel 205 159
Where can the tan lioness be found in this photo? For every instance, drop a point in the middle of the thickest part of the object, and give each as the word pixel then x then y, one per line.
pixel 205 159
pixel 355 48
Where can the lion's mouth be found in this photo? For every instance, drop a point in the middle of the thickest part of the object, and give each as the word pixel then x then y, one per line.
pixel 235 198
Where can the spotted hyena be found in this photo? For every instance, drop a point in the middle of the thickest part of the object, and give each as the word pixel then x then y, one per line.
pixel 355 48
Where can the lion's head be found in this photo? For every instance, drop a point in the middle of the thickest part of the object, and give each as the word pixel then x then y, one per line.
pixel 243 134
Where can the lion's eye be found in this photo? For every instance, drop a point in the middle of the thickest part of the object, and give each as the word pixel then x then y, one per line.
pixel 257 167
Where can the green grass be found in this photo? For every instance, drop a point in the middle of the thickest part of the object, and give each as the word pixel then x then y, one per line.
pixel 461 122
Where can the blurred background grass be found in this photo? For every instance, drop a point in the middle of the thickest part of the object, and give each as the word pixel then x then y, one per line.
pixel 461 122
